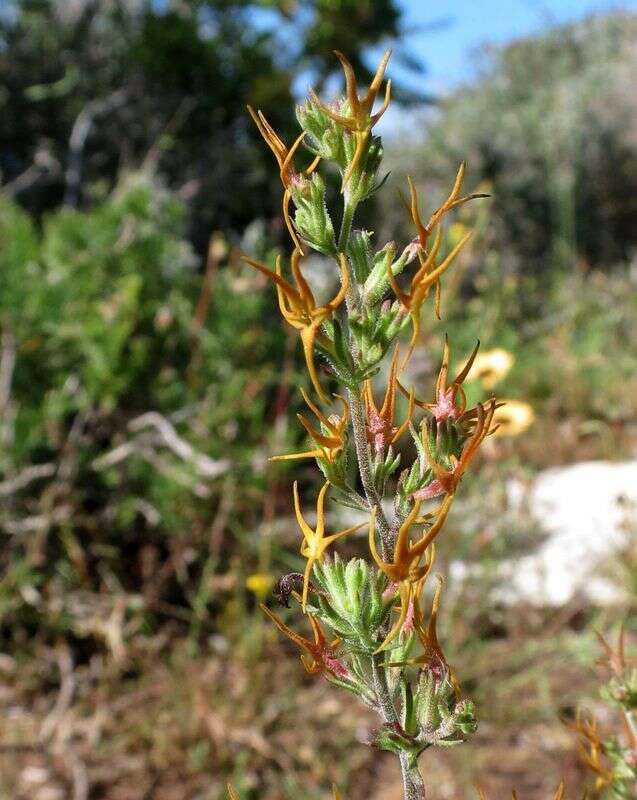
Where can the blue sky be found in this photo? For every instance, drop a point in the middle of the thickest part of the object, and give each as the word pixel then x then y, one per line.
pixel 444 34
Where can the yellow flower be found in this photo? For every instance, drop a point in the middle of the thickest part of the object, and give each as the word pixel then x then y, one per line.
pixel 358 117
pixel 430 273
pixel 405 570
pixel 321 654
pixel 454 200
pixel 285 161
pixel 446 480
pixel 315 543
pixel 447 405
pixel 260 583
pixel 232 792
pixel 299 308
pixel 616 656
pixel 491 366
pixel 428 636
pixel 591 749
pixel 456 231
pixel 512 418
pixel 427 275
pixel 330 444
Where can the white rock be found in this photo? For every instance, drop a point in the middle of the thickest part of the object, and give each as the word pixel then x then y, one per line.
pixel 588 512
pixel 35 775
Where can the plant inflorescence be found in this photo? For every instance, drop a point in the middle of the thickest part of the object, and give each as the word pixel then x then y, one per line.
pixel 366 629
pixel 613 760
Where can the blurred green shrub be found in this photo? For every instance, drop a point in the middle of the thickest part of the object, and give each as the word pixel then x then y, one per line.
pixel 575 353
pixel 549 125
pixel 120 418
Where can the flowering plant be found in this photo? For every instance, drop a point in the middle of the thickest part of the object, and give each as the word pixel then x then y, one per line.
pixel 613 760
pixel 369 632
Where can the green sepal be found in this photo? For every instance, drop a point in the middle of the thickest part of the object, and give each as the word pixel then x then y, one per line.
pixel 442 720
pixel 622 690
pixel 418 475
pixel 377 284
pixel 624 774
pixel 352 603
pixel 393 738
pixel 445 439
pixel 408 709
pixel 465 717
pixel 359 250
pixel 383 467
pixel 375 329
pixel 341 365
pixel 312 219
pixel 362 182
pixel 341 350
pixel 353 685
pixel 324 137
pixel 335 471
pixel 349 498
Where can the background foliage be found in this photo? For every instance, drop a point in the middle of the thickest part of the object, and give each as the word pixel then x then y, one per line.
pixel 550 125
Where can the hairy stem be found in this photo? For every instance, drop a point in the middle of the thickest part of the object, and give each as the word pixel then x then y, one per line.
pixel 385 706
pixel 413 784
pixel 352 296
pixel 357 409
pixel 349 209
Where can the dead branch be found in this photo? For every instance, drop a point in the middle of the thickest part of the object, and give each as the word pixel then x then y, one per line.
pixel 64 698
pixel 33 473
pixel 77 141
pixel 38 523
pixel 7 365
pixel 163 434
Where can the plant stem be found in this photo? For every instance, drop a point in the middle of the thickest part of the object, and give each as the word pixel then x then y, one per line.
pixel 352 296
pixel 413 784
pixel 385 705
pixel 349 209
pixel 357 410
pixel 357 406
